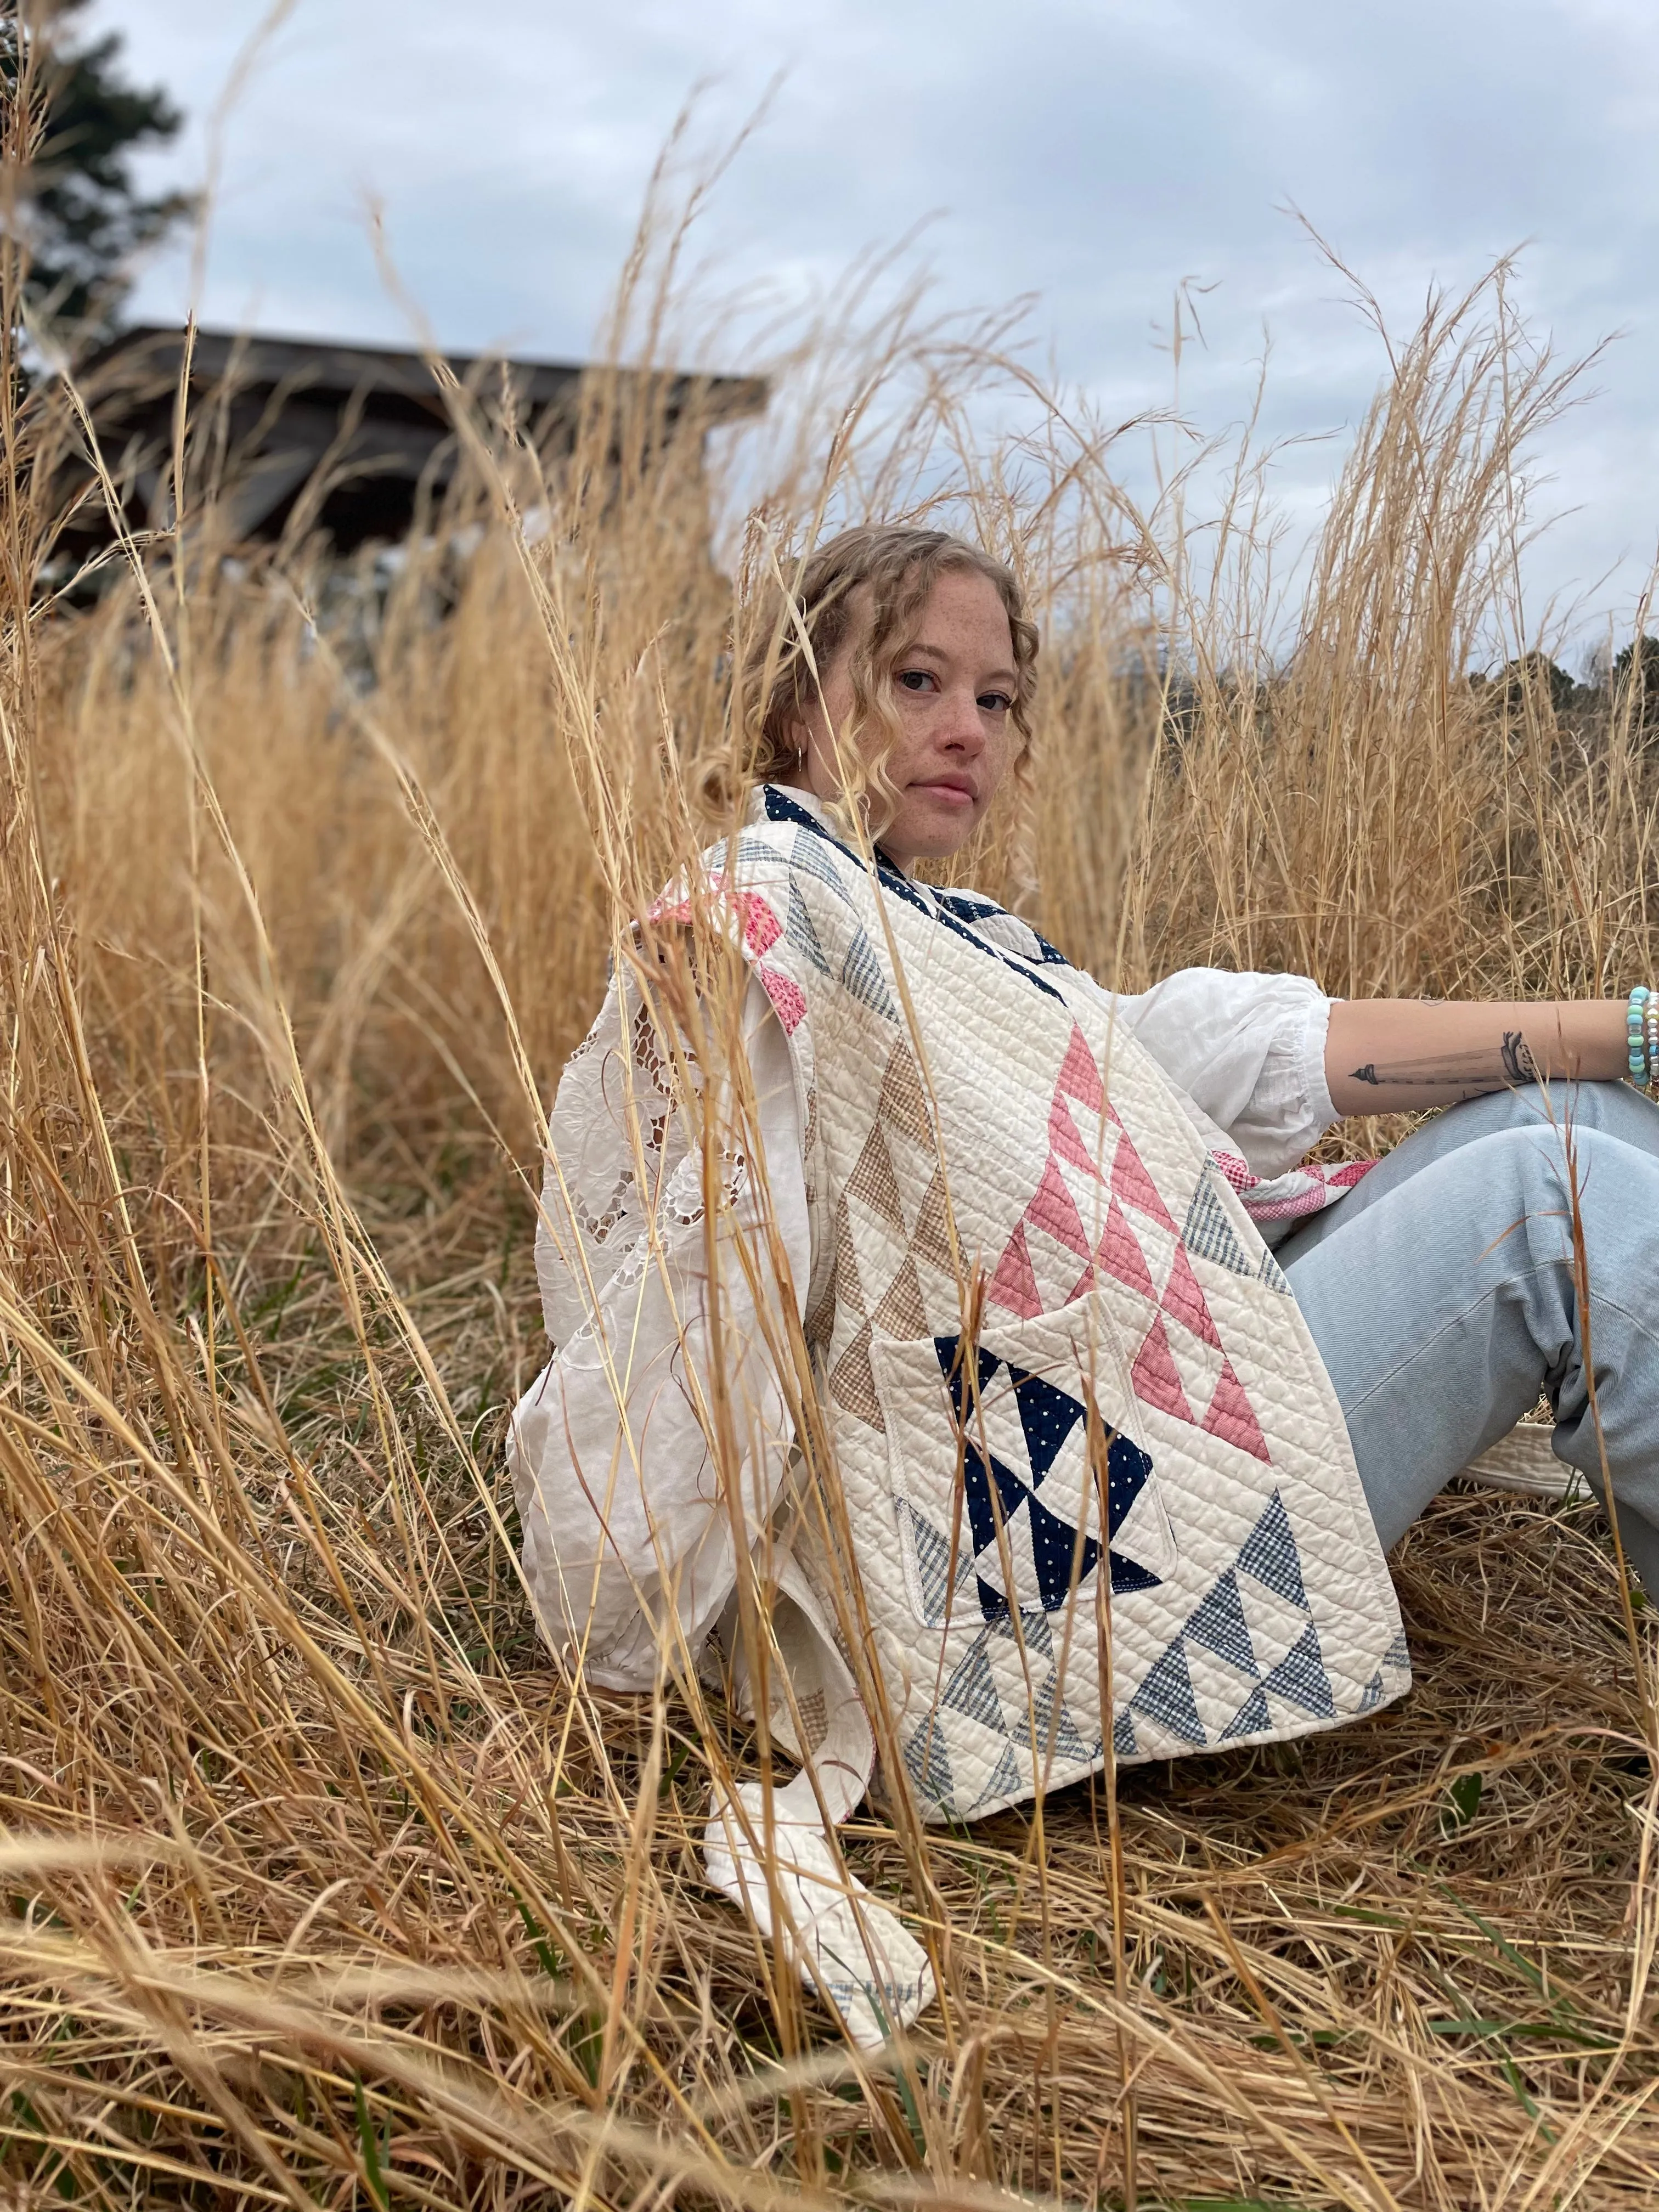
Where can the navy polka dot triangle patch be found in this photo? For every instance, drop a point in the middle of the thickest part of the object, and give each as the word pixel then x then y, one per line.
pixel 1028 1490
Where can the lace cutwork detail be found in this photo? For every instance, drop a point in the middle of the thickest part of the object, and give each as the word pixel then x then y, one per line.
pixel 656 1067
pixel 682 1204
pixel 598 1226
pixel 625 1131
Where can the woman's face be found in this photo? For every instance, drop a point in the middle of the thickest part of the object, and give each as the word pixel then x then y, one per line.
pixel 953 688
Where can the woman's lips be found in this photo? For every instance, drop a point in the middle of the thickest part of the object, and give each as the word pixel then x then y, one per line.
pixel 947 788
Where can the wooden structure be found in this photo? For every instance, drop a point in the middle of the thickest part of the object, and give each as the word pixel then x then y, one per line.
pixel 367 429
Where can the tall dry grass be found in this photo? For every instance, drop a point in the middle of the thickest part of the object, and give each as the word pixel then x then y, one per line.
pixel 324 1886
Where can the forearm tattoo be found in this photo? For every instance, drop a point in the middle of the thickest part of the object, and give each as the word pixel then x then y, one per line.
pixel 1453 1070
pixel 1519 1065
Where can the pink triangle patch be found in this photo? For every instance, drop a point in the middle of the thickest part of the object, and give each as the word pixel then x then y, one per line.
pixel 1014 1284
pixel 1064 1139
pixel 1079 1075
pixel 1184 1299
pixel 1132 1183
pixel 785 995
pixel 1153 1378
pixel 1121 1255
pixel 1232 1417
pixel 1055 1209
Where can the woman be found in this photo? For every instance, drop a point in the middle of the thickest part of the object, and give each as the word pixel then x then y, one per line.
pixel 1019 1227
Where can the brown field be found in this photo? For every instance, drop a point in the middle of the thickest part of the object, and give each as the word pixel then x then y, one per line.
pixel 324 1887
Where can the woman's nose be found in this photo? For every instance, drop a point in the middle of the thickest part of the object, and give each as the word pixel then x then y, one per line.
pixel 964 727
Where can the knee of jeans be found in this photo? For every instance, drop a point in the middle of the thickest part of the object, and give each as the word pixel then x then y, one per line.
pixel 1570 1169
pixel 1523 1107
pixel 1518 1180
pixel 1614 1108
pixel 1617 1108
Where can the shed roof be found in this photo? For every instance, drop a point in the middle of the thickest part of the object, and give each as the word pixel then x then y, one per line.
pixel 375 415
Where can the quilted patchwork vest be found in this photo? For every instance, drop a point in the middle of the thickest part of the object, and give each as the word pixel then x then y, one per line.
pixel 1095 1471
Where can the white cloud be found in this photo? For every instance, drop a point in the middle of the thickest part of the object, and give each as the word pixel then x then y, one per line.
pixel 1094 151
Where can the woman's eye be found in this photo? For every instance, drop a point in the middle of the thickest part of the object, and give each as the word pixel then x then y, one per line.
pixel 916 679
pixel 995 703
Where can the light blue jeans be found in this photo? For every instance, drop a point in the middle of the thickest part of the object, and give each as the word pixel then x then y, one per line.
pixel 1440 1295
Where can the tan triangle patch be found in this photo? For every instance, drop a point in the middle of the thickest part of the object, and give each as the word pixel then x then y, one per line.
pixel 852 1382
pixel 818 1324
pixel 845 1288
pixel 873 1181
pixel 932 1239
pixel 903 1102
pixel 902 1311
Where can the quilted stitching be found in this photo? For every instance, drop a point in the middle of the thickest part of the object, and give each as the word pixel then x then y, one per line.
pixel 1070 1174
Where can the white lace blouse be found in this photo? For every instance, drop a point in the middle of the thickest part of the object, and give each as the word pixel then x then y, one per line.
pixel 622 1520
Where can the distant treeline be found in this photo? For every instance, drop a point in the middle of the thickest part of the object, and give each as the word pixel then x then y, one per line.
pixel 1621 687
pixel 1630 678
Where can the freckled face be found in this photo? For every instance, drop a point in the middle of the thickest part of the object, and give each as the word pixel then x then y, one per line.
pixel 954 686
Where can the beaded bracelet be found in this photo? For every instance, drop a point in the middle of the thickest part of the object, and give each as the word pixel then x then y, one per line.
pixel 1642 1036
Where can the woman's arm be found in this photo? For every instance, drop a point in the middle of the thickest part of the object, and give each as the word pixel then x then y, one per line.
pixel 1389 1056
pixel 629 1543
pixel 1247 1050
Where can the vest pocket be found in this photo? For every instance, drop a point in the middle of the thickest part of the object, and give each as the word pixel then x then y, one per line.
pixel 998 1471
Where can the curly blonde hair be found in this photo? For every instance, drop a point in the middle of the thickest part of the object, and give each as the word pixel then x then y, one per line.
pixel 789 633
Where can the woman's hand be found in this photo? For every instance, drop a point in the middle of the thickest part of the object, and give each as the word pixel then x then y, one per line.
pixel 1393 1055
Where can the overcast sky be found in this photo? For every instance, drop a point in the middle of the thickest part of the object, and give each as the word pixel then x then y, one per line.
pixel 1093 152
